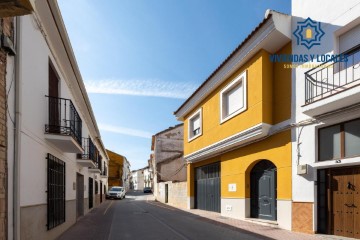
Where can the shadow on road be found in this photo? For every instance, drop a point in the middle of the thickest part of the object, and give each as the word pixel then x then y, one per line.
pixel 139 216
pixel 183 213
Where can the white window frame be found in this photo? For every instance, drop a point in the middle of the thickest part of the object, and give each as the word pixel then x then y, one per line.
pixel 195 114
pixel 242 77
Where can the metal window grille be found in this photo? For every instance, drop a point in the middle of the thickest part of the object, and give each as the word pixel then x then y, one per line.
pixel 90 151
pixel 55 191
pixel 104 173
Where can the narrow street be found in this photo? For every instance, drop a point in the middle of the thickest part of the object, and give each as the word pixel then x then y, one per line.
pixel 138 216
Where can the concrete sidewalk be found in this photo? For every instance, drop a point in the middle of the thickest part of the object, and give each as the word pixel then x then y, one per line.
pixel 258 228
pixel 140 217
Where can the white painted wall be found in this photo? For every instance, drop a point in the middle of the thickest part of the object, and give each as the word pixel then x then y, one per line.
pixel 10 89
pixel 35 57
pixel 335 19
pixel 147 176
pixel 138 179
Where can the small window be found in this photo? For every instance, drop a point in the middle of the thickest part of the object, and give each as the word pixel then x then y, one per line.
pixel 352 138
pixel 329 143
pixel 195 128
pixel 233 98
pixel 55 191
pixel 340 141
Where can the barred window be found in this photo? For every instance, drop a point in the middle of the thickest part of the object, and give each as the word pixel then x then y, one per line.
pixel 55 191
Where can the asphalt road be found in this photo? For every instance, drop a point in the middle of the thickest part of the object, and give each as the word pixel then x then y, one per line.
pixel 139 217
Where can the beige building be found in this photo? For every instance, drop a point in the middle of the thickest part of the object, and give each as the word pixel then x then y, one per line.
pixel 169 166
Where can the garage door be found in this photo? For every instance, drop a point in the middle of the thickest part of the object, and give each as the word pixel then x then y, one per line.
pixel 207 187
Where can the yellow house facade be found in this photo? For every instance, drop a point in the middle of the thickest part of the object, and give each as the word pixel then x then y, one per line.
pixel 116 165
pixel 237 138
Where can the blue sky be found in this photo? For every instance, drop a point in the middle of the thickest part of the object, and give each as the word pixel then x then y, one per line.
pixel 141 59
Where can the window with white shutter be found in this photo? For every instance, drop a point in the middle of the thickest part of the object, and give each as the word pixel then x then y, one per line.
pixel 349 39
pixel 233 98
pixel 195 125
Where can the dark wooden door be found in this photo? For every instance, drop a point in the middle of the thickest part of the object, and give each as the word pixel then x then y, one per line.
pixel 207 185
pixel 101 192
pixel 263 191
pixel 166 193
pixel 356 206
pixel 91 193
pixel 54 102
pixel 344 202
pixel 79 195
pixel 53 83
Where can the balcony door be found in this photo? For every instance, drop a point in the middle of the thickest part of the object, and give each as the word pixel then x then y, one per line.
pixel 54 102
pixel 91 193
pixel 101 192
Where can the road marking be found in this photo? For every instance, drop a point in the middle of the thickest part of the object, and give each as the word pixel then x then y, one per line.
pixel 108 206
pixel 160 206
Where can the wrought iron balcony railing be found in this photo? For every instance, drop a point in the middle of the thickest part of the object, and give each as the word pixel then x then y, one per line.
pixel 330 77
pixel 90 151
pixel 63 118
pixel 98 162
pixel 104 171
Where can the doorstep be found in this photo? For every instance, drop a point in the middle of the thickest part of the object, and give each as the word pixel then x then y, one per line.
pixel 264 222
pixel 258 226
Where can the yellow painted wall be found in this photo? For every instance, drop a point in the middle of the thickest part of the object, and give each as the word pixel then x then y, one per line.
pixel 213 131
pixel 236 166
pixel 282 88
pixel 116 163
pixel 268 101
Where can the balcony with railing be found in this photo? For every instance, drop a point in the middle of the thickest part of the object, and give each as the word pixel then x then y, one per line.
pixel 64 126
pixel 88 157
pixel 104 172
pixel 335 81
pixel 98 162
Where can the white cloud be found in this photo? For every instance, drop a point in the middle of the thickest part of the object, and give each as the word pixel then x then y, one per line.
pixel 154 88
pixel 125 131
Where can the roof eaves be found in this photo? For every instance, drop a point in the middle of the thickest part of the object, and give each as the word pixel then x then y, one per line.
pixel 226 60
pixel 168 129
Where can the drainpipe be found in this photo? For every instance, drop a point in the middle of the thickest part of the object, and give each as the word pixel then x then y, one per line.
pixel 17 136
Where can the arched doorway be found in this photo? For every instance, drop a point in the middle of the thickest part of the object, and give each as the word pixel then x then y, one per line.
pixel 263 190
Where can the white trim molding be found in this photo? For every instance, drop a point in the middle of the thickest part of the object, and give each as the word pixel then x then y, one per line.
pixel 240 79
pixel 190 130
pixel 256 132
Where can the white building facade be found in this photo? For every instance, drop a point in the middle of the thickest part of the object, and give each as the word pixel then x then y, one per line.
pixel 147 178
pixel 57 161
pixel 326 139
pixel 138 179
